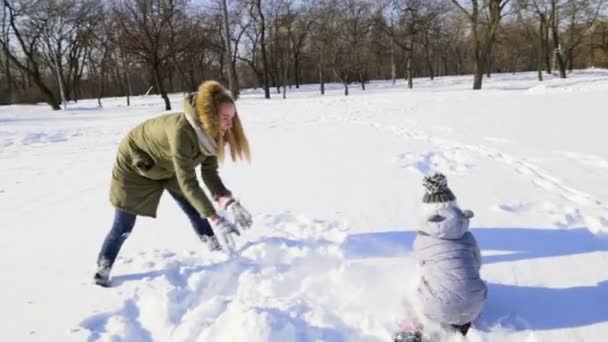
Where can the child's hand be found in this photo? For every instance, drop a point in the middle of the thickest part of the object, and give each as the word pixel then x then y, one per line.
pixel 468 213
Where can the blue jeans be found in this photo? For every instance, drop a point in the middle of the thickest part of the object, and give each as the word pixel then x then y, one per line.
pixel 124 223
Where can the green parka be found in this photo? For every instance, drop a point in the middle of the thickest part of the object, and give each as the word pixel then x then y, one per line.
pixel 161 154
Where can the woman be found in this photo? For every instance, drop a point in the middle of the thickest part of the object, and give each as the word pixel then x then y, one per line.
pixel 161 154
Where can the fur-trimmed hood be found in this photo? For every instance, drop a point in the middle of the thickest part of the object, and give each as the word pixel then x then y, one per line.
pixel 207 144
pixel 205 107
pixel 444 220
pixel 204 102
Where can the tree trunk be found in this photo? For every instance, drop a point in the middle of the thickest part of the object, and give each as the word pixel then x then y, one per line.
pixel 129 87
pixel 556 44
pixel 9 79
pixel 408 70
pixel 284 77
pixel 540 48
pixel 102 76
pixel 361 79
pixel 296 69
pixel 478 72
pixel 59 80
pixel 570 59
pixel 393 64
pixel 159 85
pixel 343 80
pixel 410 76
pixel 48 94
pixel 170 71
pixel 489 66
pixel 76 87
pixel 127 76
pixel 459 63
pixel 102 87
pixel 275 80
pixel 321 80
pixel 321 75
pixel 429 63
pixel 232 82
pixel 263 47
pixel 545 43
pixel 559 61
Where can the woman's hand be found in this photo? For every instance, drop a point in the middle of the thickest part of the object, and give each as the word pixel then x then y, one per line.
pixel 225 229
pixel 241 216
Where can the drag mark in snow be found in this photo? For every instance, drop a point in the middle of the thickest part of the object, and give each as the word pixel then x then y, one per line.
pixel 43 138
pixel 454 158
pixel 513 207
pixel 451 162
pixel 591 210
pixel 497 140
pixel 586 159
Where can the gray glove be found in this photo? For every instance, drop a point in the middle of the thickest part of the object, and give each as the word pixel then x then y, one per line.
pixel 241 216
pixel 225 229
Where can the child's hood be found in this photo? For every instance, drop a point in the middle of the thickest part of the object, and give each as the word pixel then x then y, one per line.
pixel 444 220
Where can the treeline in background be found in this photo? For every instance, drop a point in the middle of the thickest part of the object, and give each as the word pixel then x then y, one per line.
pixel 60 51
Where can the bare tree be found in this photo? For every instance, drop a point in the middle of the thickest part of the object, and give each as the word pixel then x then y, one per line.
pixel 250 49
pixel 322 34
pixel 355 18
pixel 599 39
pixel 57 27
pixel 278 21
pixel 5 62
pixel 298 36
pixel 557 49
pixel 484 19
pixel 581 15
pixel 413 18
pixel 542 10
pixel 154 31
pixel 208 36
pixel 257 14
pixel 26 25
pixel 382 44
pixel 232 81
pixel 539 10
pixel 283 18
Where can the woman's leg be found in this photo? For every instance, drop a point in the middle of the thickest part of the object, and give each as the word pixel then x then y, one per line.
pixel 201 225
pixel 121 228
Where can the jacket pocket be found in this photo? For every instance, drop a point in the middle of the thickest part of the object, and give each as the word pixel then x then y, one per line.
pixel 141 160
pixel 145 165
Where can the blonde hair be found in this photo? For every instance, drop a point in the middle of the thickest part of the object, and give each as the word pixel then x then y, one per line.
pixel 210 95
pixel 235 137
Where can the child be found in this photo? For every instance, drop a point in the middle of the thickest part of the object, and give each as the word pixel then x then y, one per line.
pixel 450 291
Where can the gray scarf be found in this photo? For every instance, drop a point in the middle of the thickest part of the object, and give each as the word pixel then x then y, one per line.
pixel 207 144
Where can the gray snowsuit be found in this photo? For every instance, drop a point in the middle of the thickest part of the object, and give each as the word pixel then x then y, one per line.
pixel 451 290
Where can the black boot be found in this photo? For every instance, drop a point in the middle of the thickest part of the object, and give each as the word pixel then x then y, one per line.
pixel 102 276
pixel 464 328
pixel 101 280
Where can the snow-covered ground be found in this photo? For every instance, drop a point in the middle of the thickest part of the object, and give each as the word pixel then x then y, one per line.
pixel 335 186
